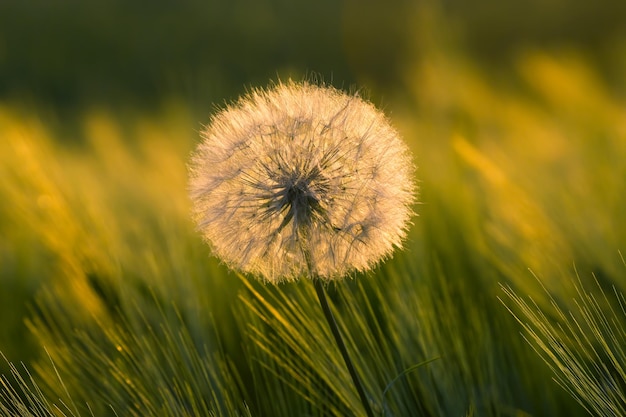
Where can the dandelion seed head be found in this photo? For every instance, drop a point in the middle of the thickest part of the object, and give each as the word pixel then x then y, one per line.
pixel 301 176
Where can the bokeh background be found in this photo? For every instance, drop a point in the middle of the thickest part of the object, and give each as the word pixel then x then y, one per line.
pixel 71 54
pixel 516 113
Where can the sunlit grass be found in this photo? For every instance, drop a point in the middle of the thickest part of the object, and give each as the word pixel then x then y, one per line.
pixel 584 347
pixel 101 266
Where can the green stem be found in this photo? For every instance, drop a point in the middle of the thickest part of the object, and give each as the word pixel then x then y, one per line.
pixel 330 318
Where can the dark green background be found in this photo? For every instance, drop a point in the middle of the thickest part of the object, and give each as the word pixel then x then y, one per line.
pixel 69 53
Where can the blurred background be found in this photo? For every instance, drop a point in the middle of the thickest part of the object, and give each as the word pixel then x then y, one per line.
pixel 68 54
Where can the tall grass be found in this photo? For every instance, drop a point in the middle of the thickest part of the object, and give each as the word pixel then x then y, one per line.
pixel 100 259
pixel 584 347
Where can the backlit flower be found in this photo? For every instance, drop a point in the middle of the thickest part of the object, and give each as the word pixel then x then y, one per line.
pixel 301 178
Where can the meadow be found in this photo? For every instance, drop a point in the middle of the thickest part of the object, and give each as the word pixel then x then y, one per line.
pixel 506 299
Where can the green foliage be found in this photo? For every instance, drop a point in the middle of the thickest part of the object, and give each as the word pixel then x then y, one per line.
pixel 584 348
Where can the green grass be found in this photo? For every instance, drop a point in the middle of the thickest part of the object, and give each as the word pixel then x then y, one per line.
pixel 107 287
pixel 584 348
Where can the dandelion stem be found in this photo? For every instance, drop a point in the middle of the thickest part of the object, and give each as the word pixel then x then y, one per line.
pixel 330 318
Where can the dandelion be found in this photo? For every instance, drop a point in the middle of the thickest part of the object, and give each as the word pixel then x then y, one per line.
pixel 302 179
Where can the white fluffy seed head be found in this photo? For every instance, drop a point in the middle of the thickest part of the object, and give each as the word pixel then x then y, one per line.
pixel 301 178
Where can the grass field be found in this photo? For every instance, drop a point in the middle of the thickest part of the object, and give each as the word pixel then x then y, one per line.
pixel 115 306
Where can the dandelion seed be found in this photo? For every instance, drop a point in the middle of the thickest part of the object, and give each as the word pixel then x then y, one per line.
pixel 301 178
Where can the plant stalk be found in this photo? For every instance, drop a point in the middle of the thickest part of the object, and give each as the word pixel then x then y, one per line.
pixel 330 318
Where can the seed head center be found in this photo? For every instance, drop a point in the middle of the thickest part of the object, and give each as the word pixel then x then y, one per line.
pixel 301 201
